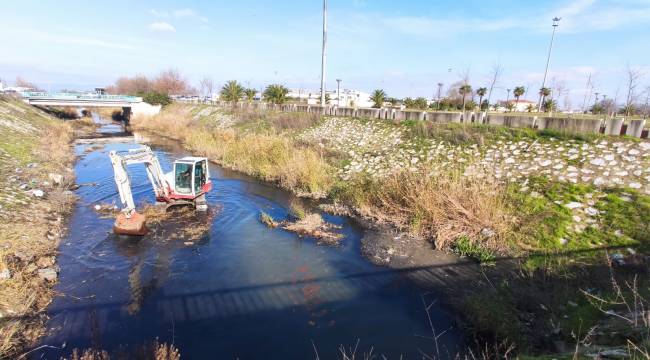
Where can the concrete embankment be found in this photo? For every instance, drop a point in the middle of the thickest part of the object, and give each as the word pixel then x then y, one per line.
pixel 35 165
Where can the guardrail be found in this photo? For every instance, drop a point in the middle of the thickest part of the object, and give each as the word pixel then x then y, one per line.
pixel 79 96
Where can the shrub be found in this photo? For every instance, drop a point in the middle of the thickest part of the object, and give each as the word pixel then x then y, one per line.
pixel 156 98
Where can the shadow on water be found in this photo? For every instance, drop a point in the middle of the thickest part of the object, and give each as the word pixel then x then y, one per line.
pixel 240 290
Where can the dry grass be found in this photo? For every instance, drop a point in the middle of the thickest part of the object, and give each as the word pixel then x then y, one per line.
pixel 444 208
pixel 268 156
pixel 29 227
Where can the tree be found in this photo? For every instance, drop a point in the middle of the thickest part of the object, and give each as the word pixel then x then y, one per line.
pixel 464 90
pixel 530 108
pixel 250 94
pixel 171 82
pixel 549 105
pixel 207 86
pixel 633 77
pixel 420 103
pixel 20 82
pixel 156 98
pixel 232 91
pixel 495 75
pixel 518 92
pixel 276 94
pixel 378 98
pixel 481 92
pixel 328 98
pixel 544 92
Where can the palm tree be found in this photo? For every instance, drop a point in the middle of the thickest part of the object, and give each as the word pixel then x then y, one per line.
pixel 549 105
pixel 232 91
pixel 378 97
pixel 464 90
pixel 481 92
pixel 544 92
pixel 530 108
pixel 250 94
pixel 518 92
pixel 276 94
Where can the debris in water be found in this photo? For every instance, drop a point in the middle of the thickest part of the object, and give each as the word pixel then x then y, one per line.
pixel 310 225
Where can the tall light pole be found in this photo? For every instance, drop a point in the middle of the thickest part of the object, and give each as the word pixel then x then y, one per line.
pixel 338 92
pixel 324 57
pixel 556 20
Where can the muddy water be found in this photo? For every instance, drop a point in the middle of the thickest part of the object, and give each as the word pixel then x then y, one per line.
pixel 240 291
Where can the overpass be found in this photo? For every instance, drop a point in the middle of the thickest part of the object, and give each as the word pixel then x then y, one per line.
pixel 131 105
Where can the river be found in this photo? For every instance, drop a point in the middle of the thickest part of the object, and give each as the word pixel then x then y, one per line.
pixel 241 291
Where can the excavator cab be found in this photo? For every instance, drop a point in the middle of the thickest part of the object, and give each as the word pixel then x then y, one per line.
pixel 191 177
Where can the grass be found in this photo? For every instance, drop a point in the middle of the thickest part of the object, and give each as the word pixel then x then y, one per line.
pixel 467 134
pixel 444 208
pixel 263 154
pixel 29 136
pixel 466 247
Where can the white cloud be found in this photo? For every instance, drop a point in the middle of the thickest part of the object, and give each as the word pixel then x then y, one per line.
pixel 189 13
pixel 161 27
pixel 158 13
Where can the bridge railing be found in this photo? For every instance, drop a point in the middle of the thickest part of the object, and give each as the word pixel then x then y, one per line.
pixel 78 96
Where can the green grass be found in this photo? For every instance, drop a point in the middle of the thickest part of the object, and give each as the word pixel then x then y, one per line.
pixel 465 247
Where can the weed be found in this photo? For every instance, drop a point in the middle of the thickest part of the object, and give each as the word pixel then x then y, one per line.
pixel 465 247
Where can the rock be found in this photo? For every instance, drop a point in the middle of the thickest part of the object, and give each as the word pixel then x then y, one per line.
pixel 573 205
pixel 45 261
pixel 38 193
pixel 563 241
pixel 5 274
pixel 487 232
pixel 597 162
pixel 48 274
pixel 635 185
pixel 57 179
pixel 98 207
pixel 24 256
pixel 592 211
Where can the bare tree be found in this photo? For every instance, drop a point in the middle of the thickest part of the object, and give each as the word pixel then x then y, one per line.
pixel 633 77
pixel 494 79
pixel 207 86
pixel 20 82
pixel 588 90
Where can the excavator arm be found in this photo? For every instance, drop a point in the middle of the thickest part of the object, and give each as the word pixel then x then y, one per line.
pixel 129 222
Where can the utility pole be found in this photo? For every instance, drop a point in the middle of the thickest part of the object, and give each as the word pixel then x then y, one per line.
pixel 439 93
pixel 338 92
pixel 324 57
pixel 556 20
pixel 596 101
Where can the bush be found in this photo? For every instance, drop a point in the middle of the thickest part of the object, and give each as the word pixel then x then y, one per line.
pixel 156 98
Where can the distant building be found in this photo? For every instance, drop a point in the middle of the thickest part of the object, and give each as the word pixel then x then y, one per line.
pixel 349 98
pixel 517 106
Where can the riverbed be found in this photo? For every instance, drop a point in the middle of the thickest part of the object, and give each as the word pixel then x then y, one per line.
pixel 239 290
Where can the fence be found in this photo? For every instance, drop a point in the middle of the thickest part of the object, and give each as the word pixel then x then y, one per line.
pixel 608 126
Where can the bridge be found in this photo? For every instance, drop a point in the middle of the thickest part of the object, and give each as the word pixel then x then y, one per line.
pixel 129 104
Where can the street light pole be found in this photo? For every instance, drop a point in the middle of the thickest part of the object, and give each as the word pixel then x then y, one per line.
pixel 338 92
pixel 324 57
pixel 556 20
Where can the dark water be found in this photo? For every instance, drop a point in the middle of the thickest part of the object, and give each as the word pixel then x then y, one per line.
pixel 242 291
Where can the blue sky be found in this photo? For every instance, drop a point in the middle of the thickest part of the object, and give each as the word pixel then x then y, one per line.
pixel 403 47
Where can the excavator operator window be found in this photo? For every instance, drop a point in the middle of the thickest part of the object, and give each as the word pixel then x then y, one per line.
pixel 183 178
pixel 199 176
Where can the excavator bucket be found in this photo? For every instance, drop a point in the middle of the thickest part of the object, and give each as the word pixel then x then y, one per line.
pixel 135 225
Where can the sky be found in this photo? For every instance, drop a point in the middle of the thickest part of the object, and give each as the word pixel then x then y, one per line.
pixel 403 47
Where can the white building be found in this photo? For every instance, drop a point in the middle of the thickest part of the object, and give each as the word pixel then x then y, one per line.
pixel 517 106
pixel 348 98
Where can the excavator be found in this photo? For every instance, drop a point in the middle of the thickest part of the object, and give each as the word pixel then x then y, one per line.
pixel 187 184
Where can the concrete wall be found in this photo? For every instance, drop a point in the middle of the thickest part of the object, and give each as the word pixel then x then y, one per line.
pixel 613 127
pixel 443 117
pixel 369 113
pixel 635 128
pixel 144 109
pixel 511 121
pixel 572 125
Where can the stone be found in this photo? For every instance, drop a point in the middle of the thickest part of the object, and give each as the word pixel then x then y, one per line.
pixel 563 241
pixel 487 232
pixel 597 162
pixel 592 211
pixel 573 205
pixel 98 207
pixel 48 274
pixel 38 193
pixel 24 256
pixel 57 179
pixel 635 185
pixel 5 274
pixel 45 261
